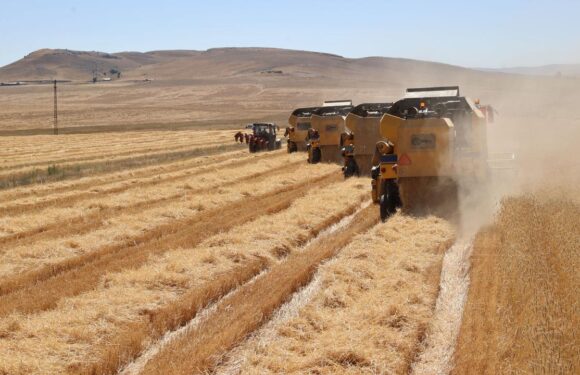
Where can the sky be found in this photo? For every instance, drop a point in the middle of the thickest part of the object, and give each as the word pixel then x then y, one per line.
pixel 490 34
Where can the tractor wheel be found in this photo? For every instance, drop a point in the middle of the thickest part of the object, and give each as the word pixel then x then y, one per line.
pixel 315 155
pixel 389 199
pixel 351 168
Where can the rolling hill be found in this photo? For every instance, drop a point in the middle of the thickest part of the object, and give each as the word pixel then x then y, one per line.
pixel 64 64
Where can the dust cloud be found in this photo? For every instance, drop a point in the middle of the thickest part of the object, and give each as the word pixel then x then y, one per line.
pixel 537 121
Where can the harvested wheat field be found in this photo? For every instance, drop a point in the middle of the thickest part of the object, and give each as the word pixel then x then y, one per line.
pixel 179 252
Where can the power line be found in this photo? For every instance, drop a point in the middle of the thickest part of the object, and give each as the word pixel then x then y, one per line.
pixel 55 125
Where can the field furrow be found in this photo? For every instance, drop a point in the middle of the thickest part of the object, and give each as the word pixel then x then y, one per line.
pixel 81 328
pixel 17 207
pixel 41 288
pixel 27 176
pixel 16 165
pixel 59 188
pixel 44 223
pixel 49 147
pixel 244 311
pixel 366 314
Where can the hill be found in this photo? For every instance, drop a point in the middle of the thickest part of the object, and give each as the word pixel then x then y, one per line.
pixel 64 64
pixel 227 87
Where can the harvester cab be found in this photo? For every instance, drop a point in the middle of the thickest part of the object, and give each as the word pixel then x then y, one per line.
pixel 297 131
pixel 328 122
pixel 358 143
pixel 431 139
pixel 262 138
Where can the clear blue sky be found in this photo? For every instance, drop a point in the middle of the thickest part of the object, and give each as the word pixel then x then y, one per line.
pixel 464 32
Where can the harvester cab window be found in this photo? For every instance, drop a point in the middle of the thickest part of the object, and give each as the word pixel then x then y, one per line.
pixel 303 125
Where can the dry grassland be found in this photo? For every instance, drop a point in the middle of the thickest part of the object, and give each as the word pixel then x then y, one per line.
pixel 368 312
pixel 521 315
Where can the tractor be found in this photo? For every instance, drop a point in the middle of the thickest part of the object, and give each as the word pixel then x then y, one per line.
pixel 299 122
pixel 262 138
pixel 327 128
pixel 430 140
pixel 358 143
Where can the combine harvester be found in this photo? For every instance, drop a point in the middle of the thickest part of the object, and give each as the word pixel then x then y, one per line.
pixel 432 139
pixel 359 141
pixel 297 132
pixel 263 137
pixel 327 127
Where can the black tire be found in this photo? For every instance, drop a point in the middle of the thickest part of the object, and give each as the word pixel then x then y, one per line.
pixel 291 146
pixel 316 155
pixel 390 200
pixel 350 169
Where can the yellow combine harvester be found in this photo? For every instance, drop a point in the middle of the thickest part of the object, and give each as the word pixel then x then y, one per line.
pixel 358 143
pixel 298 130
pixel 324 136
pixel 431 139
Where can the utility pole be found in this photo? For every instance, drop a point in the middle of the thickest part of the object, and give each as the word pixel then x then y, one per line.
pixel 55 125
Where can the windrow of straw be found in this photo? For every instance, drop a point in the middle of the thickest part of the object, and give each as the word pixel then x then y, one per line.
pixel 248 308
pixel 367 315
pixel 42 289
pixel 78 331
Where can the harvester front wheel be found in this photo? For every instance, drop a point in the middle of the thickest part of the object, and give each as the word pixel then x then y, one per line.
pixel 291 147
pixel 389 199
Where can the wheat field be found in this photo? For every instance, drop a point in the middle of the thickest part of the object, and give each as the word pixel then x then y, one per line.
pixel 178 252
pixel 522 314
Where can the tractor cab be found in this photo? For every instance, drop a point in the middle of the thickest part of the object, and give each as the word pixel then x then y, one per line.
pixel 262 138
pixel 263 129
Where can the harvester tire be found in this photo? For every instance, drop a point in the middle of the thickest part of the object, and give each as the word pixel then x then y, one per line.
pixel 351 168
pixel 389 200
pixel 292 147
pixel 316 155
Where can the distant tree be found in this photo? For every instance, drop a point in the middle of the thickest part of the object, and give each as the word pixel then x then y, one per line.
pixel 114 71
